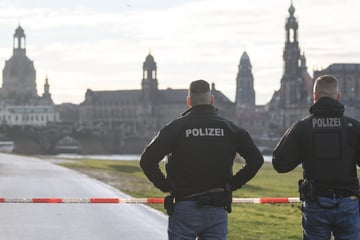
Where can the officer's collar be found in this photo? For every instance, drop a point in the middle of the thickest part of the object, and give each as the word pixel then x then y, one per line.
pixel 201 108
pixel 327 106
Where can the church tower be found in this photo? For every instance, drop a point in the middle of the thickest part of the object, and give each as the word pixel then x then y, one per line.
pixel 293 90
pixel 291 102
pixel 19 84
pixel 149 82
pixel 245 93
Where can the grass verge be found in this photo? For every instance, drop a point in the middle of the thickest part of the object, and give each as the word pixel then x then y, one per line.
pixel 246 222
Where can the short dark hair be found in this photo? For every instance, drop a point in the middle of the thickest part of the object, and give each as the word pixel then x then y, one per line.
pixel 199 92
pixel 326 86
pixel 199 86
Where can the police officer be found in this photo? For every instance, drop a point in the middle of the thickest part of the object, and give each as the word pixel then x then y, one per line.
pixel 201 147
pixel 327 144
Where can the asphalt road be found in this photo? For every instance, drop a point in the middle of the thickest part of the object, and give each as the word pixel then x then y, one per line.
pixel 25 177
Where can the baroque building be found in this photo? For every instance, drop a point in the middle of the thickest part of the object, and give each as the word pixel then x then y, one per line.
pixel 139 114
pixel 124 121
pixel 136 115
pixel 20 103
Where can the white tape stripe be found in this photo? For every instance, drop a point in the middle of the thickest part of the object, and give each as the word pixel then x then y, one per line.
pixel 76 200
pixel 18 200
pixel 294 200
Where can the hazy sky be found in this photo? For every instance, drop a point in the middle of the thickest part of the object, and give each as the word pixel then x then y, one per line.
pixel 102 44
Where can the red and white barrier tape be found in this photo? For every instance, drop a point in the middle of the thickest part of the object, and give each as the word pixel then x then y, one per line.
pixel 137 200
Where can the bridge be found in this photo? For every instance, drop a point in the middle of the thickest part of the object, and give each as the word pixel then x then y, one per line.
pixel 61 137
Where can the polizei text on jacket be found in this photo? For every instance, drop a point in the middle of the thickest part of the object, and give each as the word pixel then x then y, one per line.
pixel 204 132
pixel 326 122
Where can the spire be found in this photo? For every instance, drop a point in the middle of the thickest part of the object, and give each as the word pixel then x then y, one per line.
pixel 244 57
pixel 46 85
pixel 291 9
pixel 46 95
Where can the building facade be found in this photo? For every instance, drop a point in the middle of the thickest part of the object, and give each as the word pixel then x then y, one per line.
pixel 140 113
pixel 125 120
pixel 20 103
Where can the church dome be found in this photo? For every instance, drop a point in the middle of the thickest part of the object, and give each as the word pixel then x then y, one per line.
pixel 19 65
pixel 149 63
pixel 19 75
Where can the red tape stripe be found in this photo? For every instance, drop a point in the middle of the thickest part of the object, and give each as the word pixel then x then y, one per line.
pixel 155 200
pixel 104 200
pixel 2 200
pixel 274 200
pixel 47 200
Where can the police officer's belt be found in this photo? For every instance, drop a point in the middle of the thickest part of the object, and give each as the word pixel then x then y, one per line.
pixel 211 197
pixel 335 195
pixel 328 192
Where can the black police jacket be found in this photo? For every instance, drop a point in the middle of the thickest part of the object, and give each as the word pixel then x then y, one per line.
pixel 327 144
pixel 200 147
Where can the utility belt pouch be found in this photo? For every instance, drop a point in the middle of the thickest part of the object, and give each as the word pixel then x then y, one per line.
pixel 306 189
pixel 169 204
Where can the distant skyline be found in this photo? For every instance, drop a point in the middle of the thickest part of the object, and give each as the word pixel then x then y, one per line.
pixel 102 44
